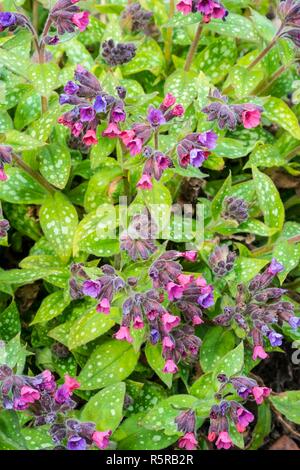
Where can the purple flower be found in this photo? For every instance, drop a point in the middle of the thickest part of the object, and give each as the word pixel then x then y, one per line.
pixel 4 227
pixel 87 113
pixel 275 267
pixel 206 299
pixel 64 99
pixel 208 139
pixel 154 336
pixel 76 443
pixel 155 117
pixel 100 104
pixel 7 20
pixel 91 288
pixel 205 6
pixel 62 395
pixel 197 157
pixel 275 338
pixel 294 322
pixel 118 114
pixel 71 88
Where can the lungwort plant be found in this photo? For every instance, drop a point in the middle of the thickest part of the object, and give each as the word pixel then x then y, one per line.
pixel 149 224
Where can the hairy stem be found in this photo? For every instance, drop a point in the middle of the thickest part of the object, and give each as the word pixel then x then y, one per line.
pixel 41 54
pixel 264 86
pixel 264 52
pixel 34 174
pixel 169 33
pixel 269 248
pixel 193 48
pixel 156 140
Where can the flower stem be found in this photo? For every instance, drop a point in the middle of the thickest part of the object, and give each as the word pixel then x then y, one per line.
pixel 169 33
pixel 34 174
pixel 269 248
pixel 265 85
pixel 156 140
pixel 41 54
pixel 193 48
pixel 264 52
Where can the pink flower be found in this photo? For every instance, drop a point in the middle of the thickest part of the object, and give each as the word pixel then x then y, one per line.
pixel 251 118
pixel 197 320
pixel 138 322
pixel 170 367
pixel 81 20
pixel 127 136
pixel 244 418
pixel 178 110
pixel 190 255
pixel 135 146
pixel 185 279
pixel 211 436
pixel 123 334
pixel 201 282
pixel 170 321
pixel 103 306
pixel 111 131
pixel 224 441
pixel 218 11
pixel 259 352
pixel 260 393
pixel 188 441
pixel 101 439
pixel 169 100
pixel 152 315
pixel 144 182
pixel 77 128
pixel 185 6
pixel 168 344
pixel 3 175
pixel 175 291
pixel 71 384
pixel 29 394
pixel 90 138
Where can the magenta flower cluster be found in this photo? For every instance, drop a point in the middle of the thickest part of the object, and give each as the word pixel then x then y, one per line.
pixel 208 8
pixel 258 309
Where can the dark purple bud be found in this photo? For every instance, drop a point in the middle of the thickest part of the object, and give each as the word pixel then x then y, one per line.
pixel 117 54
pixel 154 336
pixel 7 20
pixel 121 92
pixel 71 88
pixel 235 209
pixel 222 260
pixel 4 228
pixel 186 421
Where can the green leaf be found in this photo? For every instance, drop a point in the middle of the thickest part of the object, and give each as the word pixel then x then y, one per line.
pixel 103 149
pixel 279 112
pixel 38 438
pixel 235 26
pixel 216 343
pixel 230 148
pixel 21 188
pixel 269 199
pixel 105 408
pixel 148 56
pixel 232 363
pixel 43 127
pixel 59 220
pixel 262 427
pixel 51 306
pixel 13 354
pixel 263 25
pixel 9 322
pixel 144 439
pixel 265 155
pixel 162 416
pixel 217 59
pixel 205 387
pixel 244 81
pixel 96 233
pixel 246 268
pixel 288 254
pixel 109 363
pixel 91 325
pixel 288 403
pixel 183 85
pixel 99 186
pixel 44 77
pixel 156 362
pixel 55 164
pixel 20 141
pixel 217 203
pixel 28 109
pixel 10 431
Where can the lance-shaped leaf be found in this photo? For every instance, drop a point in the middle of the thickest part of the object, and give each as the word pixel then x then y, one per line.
pixel 148 56
pixel 9 322
pixel 288 403
pixel 279 112
pixel 156 362
pixel 55 164
pixel 217 59
pixel 269 199
pixel 216 343
pixel 109 363
pixel 44 77
pixel 105 408
pixel 232 362
pixel 21 188
pixel 59 220
pixel 183 85
pixel 52 306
